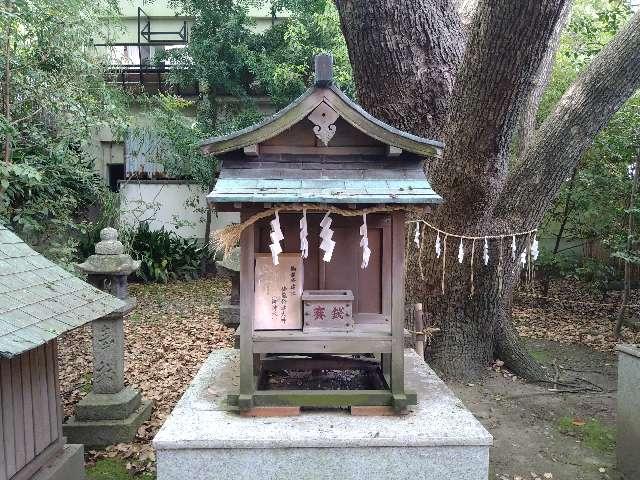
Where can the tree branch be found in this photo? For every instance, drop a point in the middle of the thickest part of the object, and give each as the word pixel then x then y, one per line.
pixel 527 121
pixel 507 44
pixel 607 83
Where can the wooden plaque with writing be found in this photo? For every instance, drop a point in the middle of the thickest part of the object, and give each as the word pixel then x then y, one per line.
pixel 278 292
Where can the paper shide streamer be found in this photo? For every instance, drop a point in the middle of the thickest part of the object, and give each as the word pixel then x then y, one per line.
pixel 327 245
pixel 531 250
pixel 276 238
pixel 364 243
pixel 534 249
pixel 304 243
pixel 485 251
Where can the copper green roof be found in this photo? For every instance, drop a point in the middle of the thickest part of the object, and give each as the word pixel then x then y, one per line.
pixel 40 300
pixel 284 178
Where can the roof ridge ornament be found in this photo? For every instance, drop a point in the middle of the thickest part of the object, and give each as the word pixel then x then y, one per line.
pixel 323 63
pixel 324 117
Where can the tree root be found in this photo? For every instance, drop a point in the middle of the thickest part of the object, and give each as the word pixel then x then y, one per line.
pixel 517 359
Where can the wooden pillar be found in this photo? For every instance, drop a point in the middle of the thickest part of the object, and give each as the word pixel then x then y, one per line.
pixel 247 271
pixel 418 327
pixel 397 311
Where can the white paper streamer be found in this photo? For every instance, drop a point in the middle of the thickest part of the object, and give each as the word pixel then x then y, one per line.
pixel 364 242
pixel 485 252
pixel 534 249
pixel 276 238
pixel 513 247
pixel 523 257
pixel 327 245
pixel 416 236
pixel 438 250
pixel 460 252
pixel 304 243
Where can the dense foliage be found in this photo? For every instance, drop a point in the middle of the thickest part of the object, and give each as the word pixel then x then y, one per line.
pixel 593 204
pixel 228 57
pixel 164 255
pixel 57 98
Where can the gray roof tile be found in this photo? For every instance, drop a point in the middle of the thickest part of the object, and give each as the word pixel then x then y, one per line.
pixel 40 300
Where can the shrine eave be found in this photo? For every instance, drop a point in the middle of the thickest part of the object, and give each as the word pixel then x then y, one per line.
pixel 303 106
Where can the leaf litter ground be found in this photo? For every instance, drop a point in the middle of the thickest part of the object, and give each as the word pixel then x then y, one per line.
pixel 175 326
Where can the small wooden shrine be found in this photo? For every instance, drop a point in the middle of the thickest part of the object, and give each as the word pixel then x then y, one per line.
pixel 322 188
pixel 39 301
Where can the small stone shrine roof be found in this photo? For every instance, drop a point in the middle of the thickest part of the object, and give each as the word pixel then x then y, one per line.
pixel 261 164
pixel 39 300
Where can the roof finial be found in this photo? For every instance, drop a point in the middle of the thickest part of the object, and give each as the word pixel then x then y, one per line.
pixel 324 70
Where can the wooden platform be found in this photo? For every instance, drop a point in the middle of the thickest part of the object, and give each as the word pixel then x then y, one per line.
pixel 362 339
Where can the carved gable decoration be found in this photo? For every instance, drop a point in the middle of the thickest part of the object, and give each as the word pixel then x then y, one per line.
pixel 324 117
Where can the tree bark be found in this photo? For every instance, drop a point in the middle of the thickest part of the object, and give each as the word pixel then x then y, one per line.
pixel 404 57
pixel 390 45
pixel 566 211
pixel 605 85
pixel 527 124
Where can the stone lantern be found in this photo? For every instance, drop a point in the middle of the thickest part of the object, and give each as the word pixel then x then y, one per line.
pixel 229 268
pixel 110 413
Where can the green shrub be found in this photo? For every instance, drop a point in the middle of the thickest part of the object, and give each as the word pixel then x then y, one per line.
pixel 164 255
pixel 596 273
pixel 555 265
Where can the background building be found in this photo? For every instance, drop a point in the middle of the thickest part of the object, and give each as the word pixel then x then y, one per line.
pixel 148 28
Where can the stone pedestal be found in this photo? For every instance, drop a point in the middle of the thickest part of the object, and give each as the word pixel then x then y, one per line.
pixel 110 413
pixel 68 465
pixel 438 439
pixel 229 268
pixel 628 441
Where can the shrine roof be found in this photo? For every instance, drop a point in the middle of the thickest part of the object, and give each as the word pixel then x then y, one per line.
pixel 325 179
pixel 303 106
pixel 40 300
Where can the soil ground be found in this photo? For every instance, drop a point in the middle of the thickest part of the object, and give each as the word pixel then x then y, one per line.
pixel 538 433
pixel 567 436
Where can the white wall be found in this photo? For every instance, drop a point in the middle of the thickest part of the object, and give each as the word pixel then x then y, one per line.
pixel 176 205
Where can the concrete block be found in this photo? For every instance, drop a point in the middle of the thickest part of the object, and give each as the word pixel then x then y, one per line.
pixel 108 406
pixel 628 439
pixel 438 439
pixel 68 465
pixel 98 433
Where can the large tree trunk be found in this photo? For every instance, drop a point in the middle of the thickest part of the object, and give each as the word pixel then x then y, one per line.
pixel 392 49
pixel 404 56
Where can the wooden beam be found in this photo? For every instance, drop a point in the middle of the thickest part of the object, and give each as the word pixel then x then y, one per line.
pixel 271 412
pixel 326 363
pixel 393 151
pixel 247 271
pixel 354 345
pixel 252 150
pixel 397 311
pixel 323 398
pixel 364 411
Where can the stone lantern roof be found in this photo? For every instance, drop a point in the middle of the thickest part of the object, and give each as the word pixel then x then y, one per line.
pixel 109 258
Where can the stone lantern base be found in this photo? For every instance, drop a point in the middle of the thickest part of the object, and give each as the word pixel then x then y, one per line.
pixel 108 418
